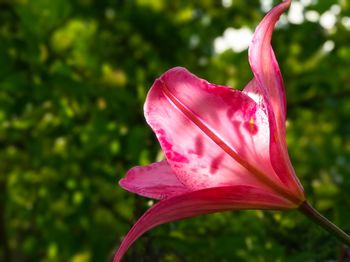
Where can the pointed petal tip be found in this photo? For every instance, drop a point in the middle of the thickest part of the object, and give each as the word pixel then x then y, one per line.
pixel 127 182
pixel 122 183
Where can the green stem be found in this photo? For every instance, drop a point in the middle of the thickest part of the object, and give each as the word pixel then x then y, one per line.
pixel 314 215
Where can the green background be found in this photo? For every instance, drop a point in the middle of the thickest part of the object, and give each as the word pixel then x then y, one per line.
pixel 73 80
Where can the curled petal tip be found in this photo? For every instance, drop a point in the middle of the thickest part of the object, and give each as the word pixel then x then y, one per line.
pixel 270 86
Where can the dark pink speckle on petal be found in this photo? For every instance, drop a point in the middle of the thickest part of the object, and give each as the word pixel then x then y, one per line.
pixel 215 163
pixel 176 157
pixel 199 147
pixel 165 143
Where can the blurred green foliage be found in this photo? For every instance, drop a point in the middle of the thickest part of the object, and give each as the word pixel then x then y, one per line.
pixel 73 79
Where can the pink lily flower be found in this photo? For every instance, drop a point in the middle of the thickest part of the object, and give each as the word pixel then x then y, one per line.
pixel 225 149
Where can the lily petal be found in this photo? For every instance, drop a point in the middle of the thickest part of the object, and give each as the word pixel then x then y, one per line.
pixel 156 180
pixel 211 135
pixel 269 84
pixel 265 67
pixel 200 202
